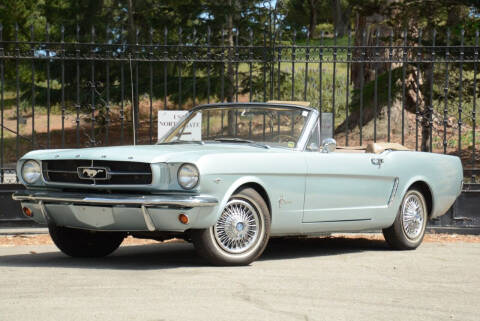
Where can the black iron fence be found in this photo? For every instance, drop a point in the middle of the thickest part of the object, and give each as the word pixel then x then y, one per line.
pixel 72 89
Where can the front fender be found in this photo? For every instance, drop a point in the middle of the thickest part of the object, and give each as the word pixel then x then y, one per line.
pixel 222 187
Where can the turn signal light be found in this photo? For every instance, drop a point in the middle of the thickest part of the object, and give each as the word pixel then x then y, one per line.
pixel 183 218
pixel 27 211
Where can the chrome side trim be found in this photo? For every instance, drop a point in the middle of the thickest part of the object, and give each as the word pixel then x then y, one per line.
pixel 394 191
pixel 117 199
pixel 148 219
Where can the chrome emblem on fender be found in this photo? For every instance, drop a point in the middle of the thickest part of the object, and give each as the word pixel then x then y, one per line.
pixel 93 173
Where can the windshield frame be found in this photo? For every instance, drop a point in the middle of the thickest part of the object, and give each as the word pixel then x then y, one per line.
pixel 302 140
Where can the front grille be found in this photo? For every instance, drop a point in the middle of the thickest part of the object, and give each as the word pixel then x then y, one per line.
pixel 119 173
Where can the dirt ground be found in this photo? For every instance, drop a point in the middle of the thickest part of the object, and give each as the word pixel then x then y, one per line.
pixel 44 239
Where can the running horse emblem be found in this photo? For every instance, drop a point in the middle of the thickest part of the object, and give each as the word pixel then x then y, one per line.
pixel 92 173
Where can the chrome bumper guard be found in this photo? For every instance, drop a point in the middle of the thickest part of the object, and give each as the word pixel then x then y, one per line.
pixel 116 199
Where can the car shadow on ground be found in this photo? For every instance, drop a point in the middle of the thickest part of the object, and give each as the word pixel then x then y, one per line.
pixel 182 254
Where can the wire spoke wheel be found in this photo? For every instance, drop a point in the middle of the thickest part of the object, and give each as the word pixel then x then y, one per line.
pixel 241 232
pixel 408 229
pixel 413 216
pixel 238 228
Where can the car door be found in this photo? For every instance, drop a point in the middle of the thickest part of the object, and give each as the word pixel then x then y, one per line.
pixel 346 186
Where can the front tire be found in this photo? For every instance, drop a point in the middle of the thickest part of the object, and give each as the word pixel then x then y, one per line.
pixel 83 243
pixel 240 234
pixel 408 229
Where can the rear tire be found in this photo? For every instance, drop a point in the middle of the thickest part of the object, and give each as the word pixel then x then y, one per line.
pixel 83 243
pixel 241 233
pixel 408 229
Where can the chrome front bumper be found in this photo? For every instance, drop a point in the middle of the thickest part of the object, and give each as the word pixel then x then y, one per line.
pixel 116 199
pixel 117 212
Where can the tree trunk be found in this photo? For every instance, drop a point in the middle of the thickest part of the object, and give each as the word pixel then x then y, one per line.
pixel 313 17
pixel 339 18
pixel 131 23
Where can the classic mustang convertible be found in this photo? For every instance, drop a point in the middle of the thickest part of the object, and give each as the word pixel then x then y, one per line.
pixel 230 176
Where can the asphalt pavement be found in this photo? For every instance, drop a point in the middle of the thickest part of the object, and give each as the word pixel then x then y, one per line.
pixel 295 279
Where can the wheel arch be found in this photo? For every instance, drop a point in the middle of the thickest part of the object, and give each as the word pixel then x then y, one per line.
pixel 426 191
pixel 244 182
pixel 260 190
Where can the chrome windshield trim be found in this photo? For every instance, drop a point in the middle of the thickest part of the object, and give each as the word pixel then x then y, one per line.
pixel 301 142
pixel 116 199
pixel 307 130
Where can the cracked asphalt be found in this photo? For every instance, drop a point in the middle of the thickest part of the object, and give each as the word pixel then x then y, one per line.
pixel 295 279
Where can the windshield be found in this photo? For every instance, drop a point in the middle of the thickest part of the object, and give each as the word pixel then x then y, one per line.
pixel 272 126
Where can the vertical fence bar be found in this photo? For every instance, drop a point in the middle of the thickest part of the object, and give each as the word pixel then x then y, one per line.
pixel 122 92
pixel 272 50
pixel 180 68
pixel 265 63
pixel 92 88
pixel 2 104
pixel 460 93
pixel 375 88
pixel 293 65
pixel 430 104
pixel 307 57
pixel 417 85
pixel 77 83
pixel 47 29
pixel 209 66
pixel 279 67
pixel 474 109
pixel 320 78
pixel 165 77
pixel 33 85
pixel 194 68
pixel 222 75
pixel 362 82
pixel 404 71
pixel 237 54
pixel 62 67
pixel 17 91
pixel 250 58
pixel 150 95
pixel 334 77
pixel 136 100
pixel 389 103
pixel 445 91
pixel 107 88
pixel 347 85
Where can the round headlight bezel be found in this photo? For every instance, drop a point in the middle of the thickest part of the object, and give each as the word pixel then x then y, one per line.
pixel 195 178
pixel 33 165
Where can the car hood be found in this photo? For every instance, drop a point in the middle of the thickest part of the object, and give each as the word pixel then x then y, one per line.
pixel 150 153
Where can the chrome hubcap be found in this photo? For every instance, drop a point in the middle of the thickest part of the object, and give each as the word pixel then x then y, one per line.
pixel 237 229
pixel 413 216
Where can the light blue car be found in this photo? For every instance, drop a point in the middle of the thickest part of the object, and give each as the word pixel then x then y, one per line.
pixel 230 176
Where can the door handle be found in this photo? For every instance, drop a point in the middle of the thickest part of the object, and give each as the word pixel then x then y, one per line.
pixel 377 161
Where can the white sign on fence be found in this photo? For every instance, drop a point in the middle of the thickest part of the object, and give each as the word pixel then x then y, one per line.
pixel 169 118
pixel 326 128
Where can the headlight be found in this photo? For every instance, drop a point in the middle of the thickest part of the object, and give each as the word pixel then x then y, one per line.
pixel 31 171
pixel 188 176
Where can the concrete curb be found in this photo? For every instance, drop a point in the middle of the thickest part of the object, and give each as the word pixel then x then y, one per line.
pixel 20 231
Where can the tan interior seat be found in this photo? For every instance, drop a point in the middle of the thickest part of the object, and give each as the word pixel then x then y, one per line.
pixel 350 149
pixel 373 148
pixel 378 148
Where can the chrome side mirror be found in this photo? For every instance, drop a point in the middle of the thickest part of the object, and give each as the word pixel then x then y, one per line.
pixel 329 145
